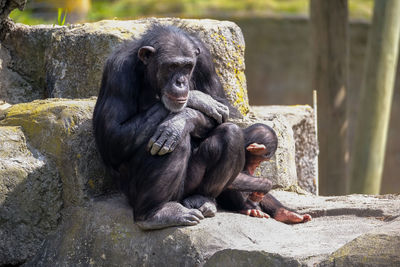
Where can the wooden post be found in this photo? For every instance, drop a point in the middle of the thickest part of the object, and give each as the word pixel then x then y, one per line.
pixel 376 98
pixel 329 28
pixel 315 106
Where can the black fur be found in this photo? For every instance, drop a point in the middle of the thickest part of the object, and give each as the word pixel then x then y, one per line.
pixel 130 116
pixel 159 125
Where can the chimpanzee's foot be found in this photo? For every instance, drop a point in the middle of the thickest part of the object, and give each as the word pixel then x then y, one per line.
pixel 255 213
pixel 290 217
pixel 204 204
pixel 171 214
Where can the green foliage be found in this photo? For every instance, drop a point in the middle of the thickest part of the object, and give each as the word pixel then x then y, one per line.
pixel 132 9
pixel 60 17
pixel 26 17
pixel 103 9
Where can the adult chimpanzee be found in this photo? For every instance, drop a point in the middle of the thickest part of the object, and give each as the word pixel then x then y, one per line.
pixel 159 124
pixel 160 141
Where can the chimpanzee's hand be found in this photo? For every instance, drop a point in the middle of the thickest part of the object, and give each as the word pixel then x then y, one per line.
pixel 208 105
pixel 168 135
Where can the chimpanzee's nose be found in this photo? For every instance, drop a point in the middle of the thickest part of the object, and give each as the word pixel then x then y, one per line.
pixel 180 81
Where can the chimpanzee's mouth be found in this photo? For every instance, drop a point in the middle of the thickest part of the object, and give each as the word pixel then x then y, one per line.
pixel 174 104
pixel 179 100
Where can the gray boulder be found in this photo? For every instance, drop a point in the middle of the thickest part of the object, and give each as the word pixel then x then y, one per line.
pixel 61 130
pixel 102 234
pixel 379 247
pixel 49 147
pixel 48 60
pixel 294 165
pixel 48 161
pixel 30 197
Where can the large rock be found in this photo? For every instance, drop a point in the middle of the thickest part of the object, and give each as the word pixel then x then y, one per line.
pixel 64 162
pixel 379 247
pixel 300 120
pixel 22 63
pixel 102 234
pixel 30 197
pixel 50 60
pixel 295 162
pixel 48 160
pixel 61 129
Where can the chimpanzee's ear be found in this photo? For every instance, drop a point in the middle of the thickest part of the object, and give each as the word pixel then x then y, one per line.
pixel 145 52
pixel 256 149
pixel 198 51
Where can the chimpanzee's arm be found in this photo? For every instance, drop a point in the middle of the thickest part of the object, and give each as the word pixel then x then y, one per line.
pixel 118 133
pixel 208 105
pixel 171 131
pixel 245 182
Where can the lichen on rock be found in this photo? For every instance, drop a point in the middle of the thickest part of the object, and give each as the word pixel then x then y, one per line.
pixel 58 68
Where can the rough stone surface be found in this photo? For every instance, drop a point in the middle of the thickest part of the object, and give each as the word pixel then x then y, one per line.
pixel 58 68
pixel 102 234
pixel 13 87
pixel 295 162
pixel 48 160
pixel 380 247
pixel 30 197
pixel 22 63
pixel 61 129
pixel 59 132
pixel 301 120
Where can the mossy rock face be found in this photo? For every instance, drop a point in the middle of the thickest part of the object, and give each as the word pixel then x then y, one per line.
pixel 68 61
pixel 30 197
pixel 61 129
pixel 48 161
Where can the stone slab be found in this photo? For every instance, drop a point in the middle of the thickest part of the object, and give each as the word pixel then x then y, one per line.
pixel 103 234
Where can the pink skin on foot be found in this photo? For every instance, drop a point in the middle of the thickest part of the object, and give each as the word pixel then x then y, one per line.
pixel 258 153
pixel 255 213
pixel 290 217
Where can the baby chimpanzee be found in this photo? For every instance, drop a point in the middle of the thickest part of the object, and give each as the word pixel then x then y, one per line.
pixel 260 143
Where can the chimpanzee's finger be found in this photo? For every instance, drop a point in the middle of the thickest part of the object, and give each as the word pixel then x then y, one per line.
pixel 217 116
pixel 225 115
pixel 158 145
pixel 154 139
pixel 196 213
pixel 167 147
pixel 173 146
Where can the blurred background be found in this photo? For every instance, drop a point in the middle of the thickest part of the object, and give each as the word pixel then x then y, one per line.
pixel 279 52
pixel 45 11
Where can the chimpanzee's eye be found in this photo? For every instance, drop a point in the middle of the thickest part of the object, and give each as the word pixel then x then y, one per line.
pixel 188 67
pixel 173 66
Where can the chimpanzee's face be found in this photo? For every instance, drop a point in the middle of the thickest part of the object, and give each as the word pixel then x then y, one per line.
pixel 172 65
pixel 174 76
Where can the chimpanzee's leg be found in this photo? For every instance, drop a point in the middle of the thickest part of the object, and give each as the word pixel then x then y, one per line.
pixel 156 184
pixel 213 166
pixel 279 212
pixel 232 200
pixel 270 205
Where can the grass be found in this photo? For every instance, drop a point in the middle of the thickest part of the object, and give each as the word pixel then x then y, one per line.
pixel 132 9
